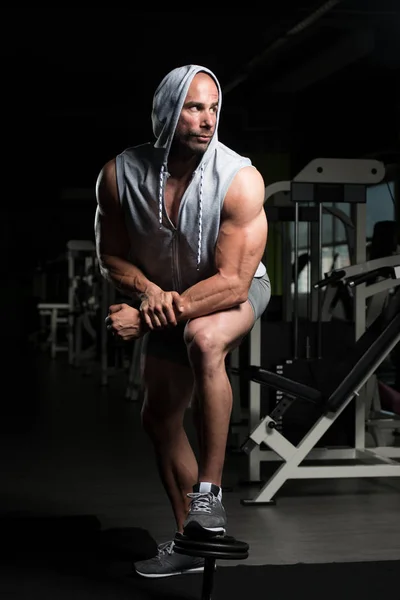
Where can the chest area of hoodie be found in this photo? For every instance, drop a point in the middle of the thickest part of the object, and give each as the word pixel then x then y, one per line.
pixel 174 191
pixel 189 216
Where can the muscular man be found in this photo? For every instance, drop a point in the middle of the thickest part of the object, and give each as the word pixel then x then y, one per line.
pixel 181 229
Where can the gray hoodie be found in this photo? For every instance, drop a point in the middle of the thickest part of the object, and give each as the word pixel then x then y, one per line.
pixel 174 258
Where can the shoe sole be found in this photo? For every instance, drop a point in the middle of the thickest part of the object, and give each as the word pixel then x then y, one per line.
pixel 195 529
pixel 159 575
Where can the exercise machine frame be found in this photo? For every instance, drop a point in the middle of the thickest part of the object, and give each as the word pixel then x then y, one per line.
pixel 370 462
pixel 348 174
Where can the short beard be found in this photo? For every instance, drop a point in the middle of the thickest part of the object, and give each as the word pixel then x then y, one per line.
pixel 185 150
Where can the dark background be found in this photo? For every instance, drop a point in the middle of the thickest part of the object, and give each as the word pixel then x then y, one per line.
pixel 299 80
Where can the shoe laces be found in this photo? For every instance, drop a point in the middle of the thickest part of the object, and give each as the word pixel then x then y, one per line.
pixel 201 501
pixel 165 548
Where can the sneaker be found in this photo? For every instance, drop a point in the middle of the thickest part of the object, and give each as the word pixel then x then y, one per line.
pixel 167 563
pixel 206 514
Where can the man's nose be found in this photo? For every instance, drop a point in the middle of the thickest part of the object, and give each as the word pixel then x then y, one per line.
pixel 208 119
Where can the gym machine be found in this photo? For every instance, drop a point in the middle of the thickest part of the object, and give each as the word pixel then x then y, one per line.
pixel 83 300
pixel 339 385
pixel 322 180
pixel 281 210
pixel 75 315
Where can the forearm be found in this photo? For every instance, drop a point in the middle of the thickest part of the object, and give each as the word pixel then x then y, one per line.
pixel 212 295
pixel 124 276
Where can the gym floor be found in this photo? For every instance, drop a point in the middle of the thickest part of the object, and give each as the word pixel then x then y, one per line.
pixel 71 446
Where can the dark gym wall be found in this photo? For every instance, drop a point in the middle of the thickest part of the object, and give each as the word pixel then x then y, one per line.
pixel 70 106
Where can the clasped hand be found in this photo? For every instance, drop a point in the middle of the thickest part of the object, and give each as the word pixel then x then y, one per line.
pixel 160 309
pixel 125 322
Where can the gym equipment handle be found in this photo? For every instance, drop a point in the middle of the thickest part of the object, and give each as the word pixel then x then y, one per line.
pixel 369 276
pixel 336 276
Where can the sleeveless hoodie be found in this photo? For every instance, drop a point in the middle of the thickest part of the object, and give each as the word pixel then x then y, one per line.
pixel 174 258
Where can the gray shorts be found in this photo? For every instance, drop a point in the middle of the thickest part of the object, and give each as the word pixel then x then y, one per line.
pixel 169 343
pixel 259 295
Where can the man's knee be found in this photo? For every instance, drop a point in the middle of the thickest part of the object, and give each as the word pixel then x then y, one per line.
pixel 204 344
pixel 209 339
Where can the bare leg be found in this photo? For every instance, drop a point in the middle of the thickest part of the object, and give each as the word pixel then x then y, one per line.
pixel 209 339
pixel 168 390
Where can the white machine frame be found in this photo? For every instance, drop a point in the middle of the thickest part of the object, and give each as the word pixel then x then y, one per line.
pixel 322 170
pixel 62 314
pixel 378 461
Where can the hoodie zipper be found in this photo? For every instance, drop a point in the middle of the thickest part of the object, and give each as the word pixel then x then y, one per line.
pixel 175 260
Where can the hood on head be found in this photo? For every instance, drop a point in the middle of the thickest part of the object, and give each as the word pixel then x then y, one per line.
pixel 168 100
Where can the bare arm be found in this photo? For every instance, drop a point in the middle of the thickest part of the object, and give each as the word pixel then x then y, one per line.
pixel 112 248
pixel 112 243
pixel 240 247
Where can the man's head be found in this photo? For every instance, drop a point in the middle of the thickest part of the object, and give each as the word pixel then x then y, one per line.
pixel 198 117
pixel 185 113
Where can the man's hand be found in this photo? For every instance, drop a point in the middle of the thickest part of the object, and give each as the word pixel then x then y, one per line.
pixel 125 322
pixel 160 309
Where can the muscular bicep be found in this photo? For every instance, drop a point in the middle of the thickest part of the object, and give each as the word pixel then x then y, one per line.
pixel 110 230
pixel 244 228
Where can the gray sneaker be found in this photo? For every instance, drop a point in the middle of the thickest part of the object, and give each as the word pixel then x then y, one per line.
pixel 206 516
pixel 167 563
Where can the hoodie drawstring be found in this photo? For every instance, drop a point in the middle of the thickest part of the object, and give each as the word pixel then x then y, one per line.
pixel 160 196
pixel 200 217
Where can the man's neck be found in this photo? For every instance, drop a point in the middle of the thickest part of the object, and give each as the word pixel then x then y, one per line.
pixel 181 167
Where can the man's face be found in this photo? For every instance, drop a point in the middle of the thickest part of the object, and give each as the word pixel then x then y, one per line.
pixel 198 117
